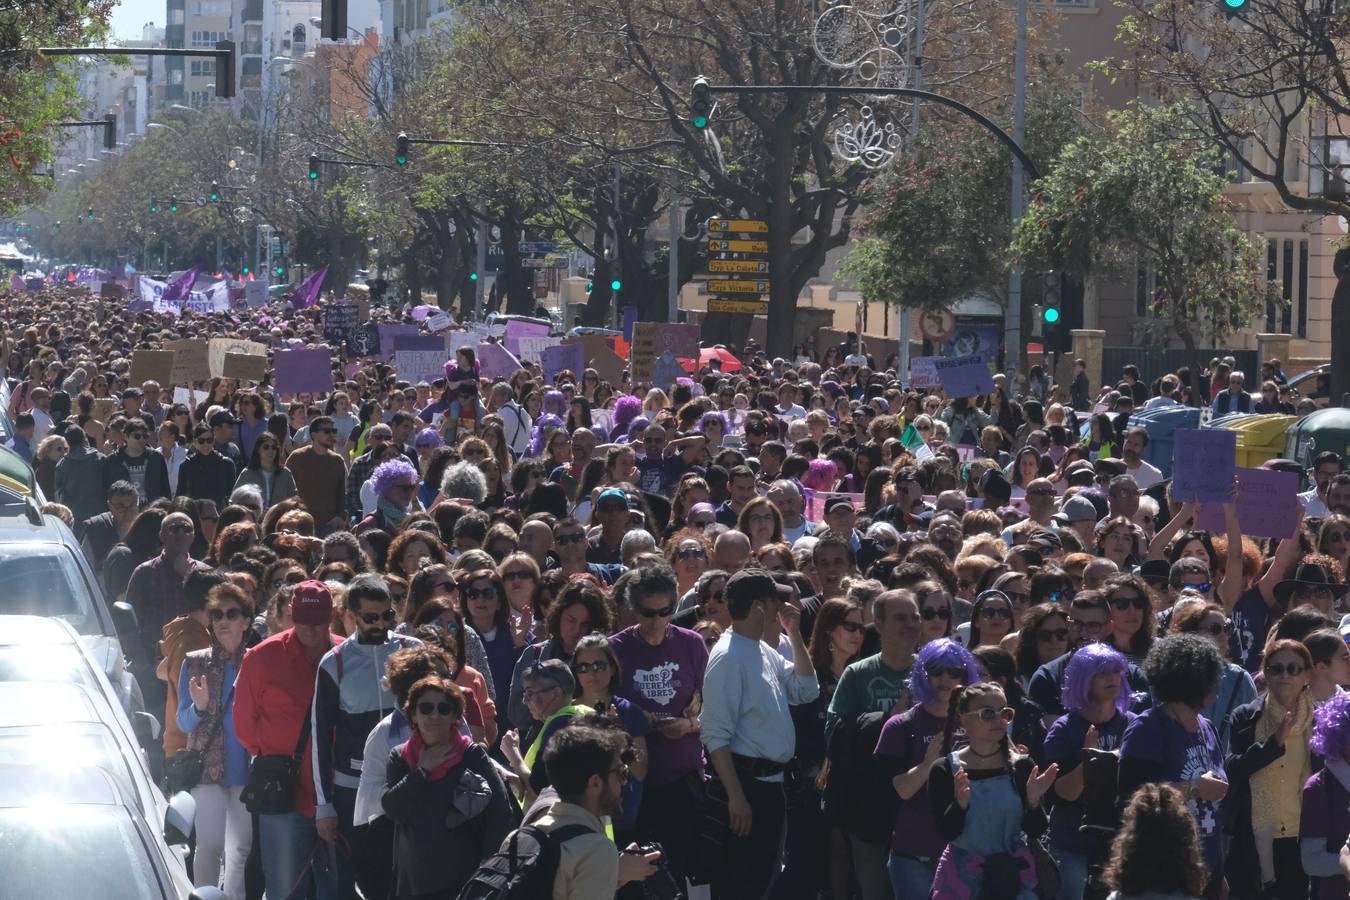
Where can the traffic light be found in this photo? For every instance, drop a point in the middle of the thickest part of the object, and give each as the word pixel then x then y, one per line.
pixel 246 270
pixel 281 269
pixel 89 213
pixel 154 207
pixel 215 192
pixel 173 206
pixel 616 285
pixel 314 167
pixel 333 17
pixel 109 132
pixel 225 69
pixel 701 104
pixel 401 152
pixel 1050 298
pixel 1232 7
pixel 473 276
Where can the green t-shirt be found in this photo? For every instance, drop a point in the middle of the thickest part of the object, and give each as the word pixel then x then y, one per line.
pixel 868 685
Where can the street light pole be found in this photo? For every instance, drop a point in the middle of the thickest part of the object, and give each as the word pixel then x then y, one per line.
pixel 1012 314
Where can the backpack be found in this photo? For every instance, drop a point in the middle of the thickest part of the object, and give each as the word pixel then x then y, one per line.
pixel 524 867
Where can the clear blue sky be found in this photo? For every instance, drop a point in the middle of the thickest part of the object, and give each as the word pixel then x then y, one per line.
pixel 129 15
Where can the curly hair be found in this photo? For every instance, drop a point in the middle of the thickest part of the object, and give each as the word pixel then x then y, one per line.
pixel 440 683
pixel 1085 665
pixel 1157 850
pixel 394 558
pixel 1331 728
pixel 408 666
pixel 941 652
pixel 626 409
pixel 586 593
pixel 387 474
pixel 1183 668
pixel 464 481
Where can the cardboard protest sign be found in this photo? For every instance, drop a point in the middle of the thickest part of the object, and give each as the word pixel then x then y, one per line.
pixel 516 329
pixel 439 322
pixel 608 365
pixel 1204 461
pixel 419 357
pixel 653 340
pixel 220 346
pixel 964 376
pixel 532 347
pixel 303 371
pixel 188 397
pixel 191 361
pixel 255 294
pixel 563 356
pixel 457 339
pixel 112 291
pixel 495 361
pixel 923 373
pixel 245 366
pixel 384 346
pixel 152 365
pixel 104 409
pixel 1267 505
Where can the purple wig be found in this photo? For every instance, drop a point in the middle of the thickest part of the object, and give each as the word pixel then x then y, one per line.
pixel 1086 664
pixel 942 652
pixel 392 472
pixel 626 409
pixel 1331 728
pixel 713 416
pixel 821 475
pixel 636 427
pixel 544 426
pixel 428 437
pixel 555 402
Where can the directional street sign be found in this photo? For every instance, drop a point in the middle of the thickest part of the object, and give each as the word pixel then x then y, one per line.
pixel 753 307
pixel 732 266
pixel 729 286
pixel 716 246
pixel 741 226
pixel 528 247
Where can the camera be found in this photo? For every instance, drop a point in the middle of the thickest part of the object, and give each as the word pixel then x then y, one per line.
pixel 661 884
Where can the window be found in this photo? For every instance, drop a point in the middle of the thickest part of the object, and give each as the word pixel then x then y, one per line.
pixel 199 99
pixel 1287 269
pixel 298 40
pixel 175 76
pixel 252 40
pixel 207 39
pixel 175 17
pixel 203 68
pixel 213 8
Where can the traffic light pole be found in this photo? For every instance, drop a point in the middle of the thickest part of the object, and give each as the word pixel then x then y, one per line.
pixel 223 54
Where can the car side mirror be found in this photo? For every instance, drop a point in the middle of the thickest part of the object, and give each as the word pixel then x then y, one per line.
pixel 178 818
pixel 146 727
pixel 124 619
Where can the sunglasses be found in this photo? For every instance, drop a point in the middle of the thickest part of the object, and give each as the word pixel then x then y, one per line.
pixel 692 553
pixel 1138 601
pixel 996 612
pixel 373 618
pixel 1275 670
pixel 203 441
pixel 929 613
pixel 852 627
pixel 574 538
pixel 426 708
pixel 989 714
pixel 487 593
pixel 234 613
pixel 1053 634
pixel 1017 598
pixel 1213 630
pixel 267 446
pixel 1090 627
pixel 518 575
pixel 956 673
pixel 648 613
pixel 584 668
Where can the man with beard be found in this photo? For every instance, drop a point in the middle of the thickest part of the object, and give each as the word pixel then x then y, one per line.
pixel 1132 451
pixel 1338 495
pixel 350 698
pixel 944 532
pixel 788 499
pixel 1325 467
pixel 1122 497
pixel 1040 496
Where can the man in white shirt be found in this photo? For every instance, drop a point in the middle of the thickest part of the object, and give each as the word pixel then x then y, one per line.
pixel 747 728
pixel 788 407
pixel 516 422
pixel 1132 452
pixel 42 419
pixel 1325 467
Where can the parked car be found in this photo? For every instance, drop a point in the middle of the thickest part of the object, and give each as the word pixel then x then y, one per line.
pixel 74 835
pixel 1304 384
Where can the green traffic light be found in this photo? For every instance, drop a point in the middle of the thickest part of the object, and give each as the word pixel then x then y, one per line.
pixel 1052 315
pixel 473 276
pixel 615 285
pixel 1234 4
pixel 700 121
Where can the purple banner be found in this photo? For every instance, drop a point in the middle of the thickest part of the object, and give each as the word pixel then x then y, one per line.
pixel 390 333
pixel 495 361
pixel 303 371
pixel 1267 504
pixel 516 329
pixel 1204 461
pixel 564 356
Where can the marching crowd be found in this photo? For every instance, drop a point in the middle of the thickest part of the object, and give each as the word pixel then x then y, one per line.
pixel 764 629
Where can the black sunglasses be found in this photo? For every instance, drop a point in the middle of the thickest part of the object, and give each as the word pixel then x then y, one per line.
pixel 574 538
pixel 996 612
pixel 426 708
pixel 487 593
pixel 372 618
pixel 956 673
pixel 598 666
pixel 649 613
pixel 1138 601
pixel 234 613
pixel 935 612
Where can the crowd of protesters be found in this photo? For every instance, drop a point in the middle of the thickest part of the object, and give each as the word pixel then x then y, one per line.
pixel 766 630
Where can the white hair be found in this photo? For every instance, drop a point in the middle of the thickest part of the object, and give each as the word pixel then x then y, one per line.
pixel 247 495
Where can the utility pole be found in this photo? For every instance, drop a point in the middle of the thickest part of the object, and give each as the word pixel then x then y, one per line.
pixel 903 325
pixel 479 284
pixel 673 275
pixel 1012 316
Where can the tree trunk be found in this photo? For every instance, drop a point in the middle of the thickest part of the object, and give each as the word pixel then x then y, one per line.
pixel 412 274
pixel 1340 331
pixel 598 302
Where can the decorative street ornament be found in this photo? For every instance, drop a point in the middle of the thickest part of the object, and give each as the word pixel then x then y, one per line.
pixel 866 142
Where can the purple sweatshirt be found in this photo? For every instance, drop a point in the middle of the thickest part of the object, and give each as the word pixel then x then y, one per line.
pixel 663 681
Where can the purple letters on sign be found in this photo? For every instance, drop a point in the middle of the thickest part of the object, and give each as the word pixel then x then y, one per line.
pixel 303 371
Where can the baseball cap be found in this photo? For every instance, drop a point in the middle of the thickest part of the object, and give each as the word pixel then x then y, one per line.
pixel 311 604
pixel 611 494
pixel 1076 509
pixel 755 584
pixel 836 503
pixel 223 418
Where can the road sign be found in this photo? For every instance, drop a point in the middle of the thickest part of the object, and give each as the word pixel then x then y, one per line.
pixel 732 286
pixel 753 307
pixel 741 226
pixel 752 266
pixel 937 326
pixel 536 262
pixel 527 247
pixel 715 246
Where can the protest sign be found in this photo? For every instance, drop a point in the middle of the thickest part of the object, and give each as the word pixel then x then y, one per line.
pixel 652 340
pixel 1203 464
pixel 244 366
pixel 104 409
pixel 563 356
pixel 191 361
pixel 188 397
pixel 419 357
pixel 516 329
pixel 531 347
pixel 384 346
pixel 923 373
pixel 303 371
pixel 152 365
pixel 607 364
pixel 1267 505
pixel 495 361
pixel 219 347
pixel 255 294
pixel 458 339
pixel 112 291
pixel 964 376
pixel 439 322
pixel 815 502
pixel 665 370
pixel 338 320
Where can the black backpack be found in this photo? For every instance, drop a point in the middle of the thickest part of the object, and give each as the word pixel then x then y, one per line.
pixel 524 867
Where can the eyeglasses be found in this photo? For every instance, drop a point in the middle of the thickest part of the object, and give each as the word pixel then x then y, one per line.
pixel 1214 629
pixel 996 612
pixel 621 771
pixel 648 613
pixel 1052 634
pixel 852 627
pixel 267 446
pixel 427 708
pixel 575 537
pixel 989 714
pixel 584 668
pixel 956 673
pixel 203 442
pixel 450 627
pixel 1138 601
pixel 1275 670
pixel 1018 598
pixel 518 575
pixel 929 613
pixel 1089 627
pixel 234 613
pixel 487 593
pixel 372 618
pixel 691 553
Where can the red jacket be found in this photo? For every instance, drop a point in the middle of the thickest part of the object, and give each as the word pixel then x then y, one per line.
pixel 272 699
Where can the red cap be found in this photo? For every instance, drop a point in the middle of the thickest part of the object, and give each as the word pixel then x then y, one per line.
pixel 311 604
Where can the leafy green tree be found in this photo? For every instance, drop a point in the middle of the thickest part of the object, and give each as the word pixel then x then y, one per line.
pixel 1145 194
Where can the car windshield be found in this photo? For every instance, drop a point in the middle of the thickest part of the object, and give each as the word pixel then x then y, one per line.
pixel 61 747
pixel 74 852
pixel 63 664
pixel 45 580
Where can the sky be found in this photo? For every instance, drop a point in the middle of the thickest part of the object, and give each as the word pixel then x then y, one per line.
pixel 129 15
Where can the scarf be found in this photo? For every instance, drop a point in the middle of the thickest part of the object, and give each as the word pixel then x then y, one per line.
pixel 1277 790
pixel 412 752
pixel 392 514
pixel 211 662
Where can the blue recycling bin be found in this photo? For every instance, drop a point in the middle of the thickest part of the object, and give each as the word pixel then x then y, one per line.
pixel 1162 424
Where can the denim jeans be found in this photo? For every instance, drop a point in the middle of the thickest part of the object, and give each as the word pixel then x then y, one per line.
pixel 911 878
pixel 288 842
pixel 1073 873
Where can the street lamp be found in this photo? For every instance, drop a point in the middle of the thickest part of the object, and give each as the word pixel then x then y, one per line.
pixel 317 22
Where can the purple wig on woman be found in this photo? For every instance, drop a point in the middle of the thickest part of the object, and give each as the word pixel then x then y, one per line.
pixel 1086 664
pixel 944 653
pixel 636 428
pixel 544 426
pixel 714 416
pixel 394 471
pixel 821 475
pixel 1331 728
pixel 555 403
pixel 626 409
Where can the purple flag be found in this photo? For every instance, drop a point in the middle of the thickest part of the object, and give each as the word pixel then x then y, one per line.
pixel 180 287
pixel 307 294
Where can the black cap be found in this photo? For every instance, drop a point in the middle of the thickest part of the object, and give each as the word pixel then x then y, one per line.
pixel 755 584
pixel 223 418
